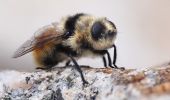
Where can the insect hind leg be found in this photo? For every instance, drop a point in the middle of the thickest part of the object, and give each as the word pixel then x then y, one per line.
pixel 104 61
pixel 79 70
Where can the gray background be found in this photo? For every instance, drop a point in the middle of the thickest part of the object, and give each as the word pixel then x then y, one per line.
pixel 143 25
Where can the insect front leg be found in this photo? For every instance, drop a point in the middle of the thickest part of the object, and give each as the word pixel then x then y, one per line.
pixel 109 60
pixel 79 70
pixel 115 58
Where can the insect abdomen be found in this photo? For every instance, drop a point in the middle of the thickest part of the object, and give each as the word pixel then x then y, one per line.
pixel 46 56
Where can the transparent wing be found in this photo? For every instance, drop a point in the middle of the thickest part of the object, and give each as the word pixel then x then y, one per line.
pixel 47 33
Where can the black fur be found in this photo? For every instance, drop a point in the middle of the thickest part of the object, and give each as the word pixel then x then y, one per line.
pixel 50 61
pixel 99 52
pixel 70 24
pixel 66 50
pixel 53 59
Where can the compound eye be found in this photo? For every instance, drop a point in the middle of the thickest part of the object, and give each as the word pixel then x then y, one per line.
pixel 97 30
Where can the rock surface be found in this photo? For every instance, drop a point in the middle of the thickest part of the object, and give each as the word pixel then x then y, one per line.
pixel 104 84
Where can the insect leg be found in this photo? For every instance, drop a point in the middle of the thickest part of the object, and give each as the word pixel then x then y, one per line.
pixel 109 59
pixel 115 58
pixel 104 61
pixel 79 70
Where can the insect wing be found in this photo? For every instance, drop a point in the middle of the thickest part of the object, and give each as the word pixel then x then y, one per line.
pixel 45 34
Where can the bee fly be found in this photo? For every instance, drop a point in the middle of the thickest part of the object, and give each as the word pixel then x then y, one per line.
pixel 73 37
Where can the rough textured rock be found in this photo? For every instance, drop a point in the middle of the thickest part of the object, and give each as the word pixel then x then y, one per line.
pixel 104 84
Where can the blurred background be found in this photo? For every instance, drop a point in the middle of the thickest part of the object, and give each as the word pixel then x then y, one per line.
pixel 143 26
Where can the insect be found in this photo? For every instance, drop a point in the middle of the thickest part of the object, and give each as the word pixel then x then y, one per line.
pixel 73 37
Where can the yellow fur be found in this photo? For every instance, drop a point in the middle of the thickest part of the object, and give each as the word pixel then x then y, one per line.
pixel 44 44
pixel 41 52
pixel 83 33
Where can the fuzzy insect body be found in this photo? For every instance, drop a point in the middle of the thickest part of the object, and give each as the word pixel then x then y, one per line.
pixel 73 37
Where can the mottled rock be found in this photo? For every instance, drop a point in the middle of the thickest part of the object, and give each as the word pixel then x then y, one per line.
pixel 104 84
